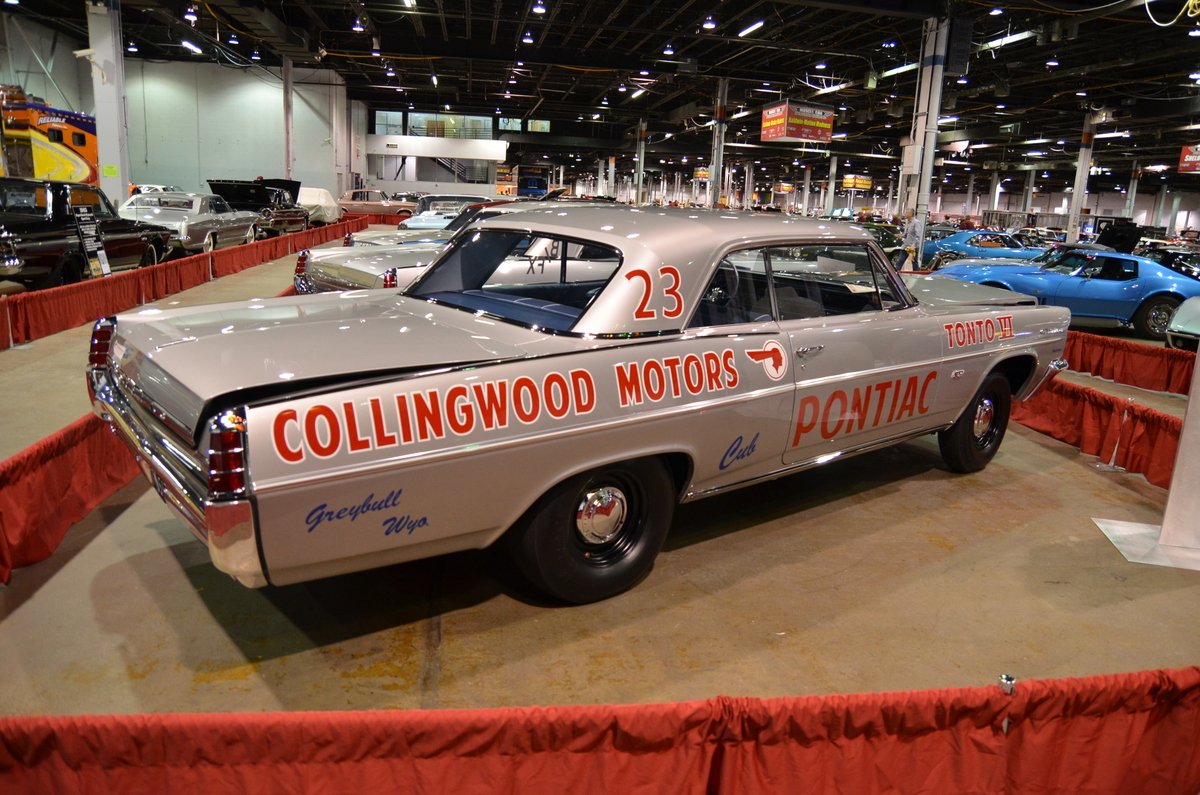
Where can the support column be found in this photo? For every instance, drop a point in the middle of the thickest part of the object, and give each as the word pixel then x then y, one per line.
pixel 1030 189
pixel 807 190
pixel 640 172
pixel 612 177
pixel 108 91
pixel 1082 168
pixel 1170 224
pixel 1159 201
pixel 717 161
pixel 831 189
pixel 748 192
pixel 600 186
pixel 925 116
pixel 1131 193
pixel 970 193
pixel 994 191
pixel 289 154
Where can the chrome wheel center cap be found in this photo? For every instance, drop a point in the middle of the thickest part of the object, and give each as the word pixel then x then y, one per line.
pixel 985 412
pixel 601 515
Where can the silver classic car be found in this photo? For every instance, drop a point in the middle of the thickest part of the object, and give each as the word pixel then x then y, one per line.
pixel 556 381
pixel 321 270
pixel 198 221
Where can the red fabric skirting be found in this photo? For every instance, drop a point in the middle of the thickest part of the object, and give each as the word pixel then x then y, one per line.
pixel 1132 363
pixel 44 312
pixel 5 323
pixel 50 485
pixel 1131 436
pixel 1108 734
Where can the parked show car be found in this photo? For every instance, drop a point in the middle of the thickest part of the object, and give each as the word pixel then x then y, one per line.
pixel 147 188
pixel 198 221
pixel 576 374
pixel 322 270
pixel 1045 257
pixel 975 243
pixel 436 210
pixel 321 206
pixel 377 202
pixel 399 235
pixel 1105 288
pixel 40 243
pixel 1183 331
pixel 273 199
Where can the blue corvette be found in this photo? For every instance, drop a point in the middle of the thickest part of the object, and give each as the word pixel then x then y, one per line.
pixel 977 243
pixel 1099 287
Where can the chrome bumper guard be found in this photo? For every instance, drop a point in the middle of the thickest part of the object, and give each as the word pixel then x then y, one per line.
pixel 227 528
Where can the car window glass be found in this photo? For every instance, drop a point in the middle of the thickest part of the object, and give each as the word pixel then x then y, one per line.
pixel 836 279
pixel 736 293
pixel 218 205
pixel 90 197
pixel 1068 263
pixel 535 280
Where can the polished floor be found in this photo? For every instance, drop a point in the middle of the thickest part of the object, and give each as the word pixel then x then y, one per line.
pixel 884 572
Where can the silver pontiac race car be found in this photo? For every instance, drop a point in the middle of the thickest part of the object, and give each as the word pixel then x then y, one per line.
pixel 558 381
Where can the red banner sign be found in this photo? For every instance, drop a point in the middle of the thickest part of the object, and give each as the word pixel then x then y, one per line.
pixel 1189 159
pixel 791 121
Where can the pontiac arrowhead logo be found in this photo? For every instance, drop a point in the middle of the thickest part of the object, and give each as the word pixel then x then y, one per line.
pixel 773 359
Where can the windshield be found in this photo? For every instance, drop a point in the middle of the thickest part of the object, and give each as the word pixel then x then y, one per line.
pixel 884 237
pixel 534 280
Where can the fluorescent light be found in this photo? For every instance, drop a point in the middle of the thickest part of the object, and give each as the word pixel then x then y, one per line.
pixel 1119 134
pixel 750 29
pixel 947 120
pixel 433 79
pixel 188 45
pixel 637 93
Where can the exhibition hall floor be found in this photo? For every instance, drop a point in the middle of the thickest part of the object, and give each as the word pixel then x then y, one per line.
pixel 883 572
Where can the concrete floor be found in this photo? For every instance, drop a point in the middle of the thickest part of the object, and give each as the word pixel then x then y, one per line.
pixel 883 572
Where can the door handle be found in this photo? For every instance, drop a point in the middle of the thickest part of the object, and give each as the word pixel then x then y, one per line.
pixel 805 351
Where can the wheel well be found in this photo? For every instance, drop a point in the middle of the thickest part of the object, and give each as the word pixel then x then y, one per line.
pixel 1176 298
pixel 1016 370
pixel 679 467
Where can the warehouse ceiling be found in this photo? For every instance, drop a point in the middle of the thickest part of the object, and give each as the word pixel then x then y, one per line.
pixel 1033 73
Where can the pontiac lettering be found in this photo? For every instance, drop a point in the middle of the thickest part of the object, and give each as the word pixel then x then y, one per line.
pixel 863 407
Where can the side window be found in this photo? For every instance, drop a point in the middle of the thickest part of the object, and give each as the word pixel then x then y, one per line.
pixel 78 139
pixel 219 206
pixel 54 136
pixel 826 280
pixel 89 197
pixel 736 293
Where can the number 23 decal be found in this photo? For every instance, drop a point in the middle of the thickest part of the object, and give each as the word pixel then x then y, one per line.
pixel 669 284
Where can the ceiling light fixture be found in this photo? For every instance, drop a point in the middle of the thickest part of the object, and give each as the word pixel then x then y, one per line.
pixel 1194 32
pixel 189 46
pixel 709 23
pixel 637 93
pixel 1000 106
pixel 131 46
pixel 433 78
pixel 1052 61
pixel 750 29
pixel 527 38
pixel 622 88
pixel 538 7
pixel 820 65
pixel 668 50
pixel 962 81
pixel 1081 93
pixel 254 56
pixel 233 39
pixel 391 72
pixel 190 15
pixel 995 12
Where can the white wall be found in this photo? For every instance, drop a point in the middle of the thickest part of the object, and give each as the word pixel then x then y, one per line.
pixel 192 122
pixel 69 84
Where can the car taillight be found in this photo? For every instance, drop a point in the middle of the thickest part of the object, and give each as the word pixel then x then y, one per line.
pixel 102 336
pixel 389 278
pixel 227 456
pixel 302 262
pixel 348 240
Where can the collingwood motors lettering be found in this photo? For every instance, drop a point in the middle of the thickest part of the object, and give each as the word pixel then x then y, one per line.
pixel 410 417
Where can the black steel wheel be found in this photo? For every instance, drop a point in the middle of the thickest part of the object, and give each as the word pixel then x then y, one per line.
pixel 972 441
pixel 597 534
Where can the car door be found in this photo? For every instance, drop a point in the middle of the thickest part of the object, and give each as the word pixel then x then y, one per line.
pixel 224 219
pixel 1105 286
pixel 122 239
pixel 865 361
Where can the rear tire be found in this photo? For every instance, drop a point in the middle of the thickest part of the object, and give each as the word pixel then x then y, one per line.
pixel 596 535
pixel 210 243
pixel 972 441
pixel 1154 315
pixel 251 234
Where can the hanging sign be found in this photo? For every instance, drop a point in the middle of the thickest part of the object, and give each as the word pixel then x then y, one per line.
pixel 792 121
pixel 1189 160
pixel 700 173
pixel 783 187
pixel 855 182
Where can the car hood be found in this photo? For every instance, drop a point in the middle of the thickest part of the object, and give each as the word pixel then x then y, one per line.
pixel 361 266
pixel 185 359
pixel 939 290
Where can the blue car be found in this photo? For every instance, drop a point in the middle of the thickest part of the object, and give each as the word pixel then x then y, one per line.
pixel 1100 287
pixel 977 243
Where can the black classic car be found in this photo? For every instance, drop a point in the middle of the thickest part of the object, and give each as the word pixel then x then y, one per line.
pixel 273 199
pixel 41 244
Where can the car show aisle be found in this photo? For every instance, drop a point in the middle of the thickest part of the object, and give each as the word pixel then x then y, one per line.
pixel 882 573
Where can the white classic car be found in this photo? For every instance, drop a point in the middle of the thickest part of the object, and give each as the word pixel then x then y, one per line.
pixel 1183 331
pixel 198 221
pixel 556 380
pixel 322 270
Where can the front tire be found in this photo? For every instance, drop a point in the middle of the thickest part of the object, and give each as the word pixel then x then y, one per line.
pixel 596 535
pixel 251 234
pixel 210 243
pixel 149 256
pixel 1153 316
pixel 972 441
